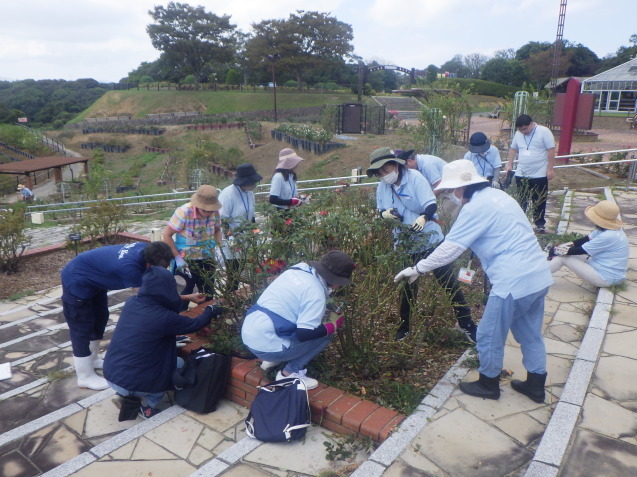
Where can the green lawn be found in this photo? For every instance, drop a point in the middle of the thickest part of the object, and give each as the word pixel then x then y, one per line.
pixel 140 103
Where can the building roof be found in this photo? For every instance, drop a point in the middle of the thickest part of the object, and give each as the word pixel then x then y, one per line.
pixel 39 164
pixel 624 72
pixel 561 81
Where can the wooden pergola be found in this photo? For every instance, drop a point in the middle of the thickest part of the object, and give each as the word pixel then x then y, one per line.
pixel 30 166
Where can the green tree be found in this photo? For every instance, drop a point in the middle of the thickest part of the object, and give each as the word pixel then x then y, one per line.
pixel 233 77
pixel 474 63
pixel 431 74
pixel 455 65
pixel 500 70
pixel 304 41
pixel 190 37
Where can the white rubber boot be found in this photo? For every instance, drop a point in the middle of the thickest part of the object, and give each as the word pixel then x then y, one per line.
pixel 94 346
pixel 86 377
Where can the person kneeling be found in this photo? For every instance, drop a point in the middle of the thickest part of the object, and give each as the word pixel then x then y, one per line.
pixel 285 323
pixel 142 354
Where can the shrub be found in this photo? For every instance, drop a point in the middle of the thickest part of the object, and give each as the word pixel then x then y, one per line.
pixel 103 221
pixel 13 241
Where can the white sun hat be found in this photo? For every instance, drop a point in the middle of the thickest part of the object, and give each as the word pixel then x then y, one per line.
pixel 459 173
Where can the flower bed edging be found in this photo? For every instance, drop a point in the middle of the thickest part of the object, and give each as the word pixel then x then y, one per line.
pixel 331 408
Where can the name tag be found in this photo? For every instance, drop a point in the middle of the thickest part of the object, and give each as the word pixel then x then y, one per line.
pixel 526 153
pixel 191 240
pixel 466 275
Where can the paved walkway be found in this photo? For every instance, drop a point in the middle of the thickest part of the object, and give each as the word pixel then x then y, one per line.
pixel 587 426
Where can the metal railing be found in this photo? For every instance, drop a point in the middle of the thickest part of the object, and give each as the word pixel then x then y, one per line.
pixel 355 180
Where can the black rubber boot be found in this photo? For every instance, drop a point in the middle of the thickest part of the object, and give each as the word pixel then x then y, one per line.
pixel 485 387
pixel 130 408
pixel 533 387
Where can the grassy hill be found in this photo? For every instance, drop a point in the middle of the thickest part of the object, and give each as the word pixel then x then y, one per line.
pixel 140 103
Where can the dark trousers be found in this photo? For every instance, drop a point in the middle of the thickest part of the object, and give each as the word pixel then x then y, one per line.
pixel 201 272
pixel 86 319
pixel 534 190
pixel 446 277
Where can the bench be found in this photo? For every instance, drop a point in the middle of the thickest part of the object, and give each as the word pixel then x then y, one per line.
pixel 632 120
pixel 496 112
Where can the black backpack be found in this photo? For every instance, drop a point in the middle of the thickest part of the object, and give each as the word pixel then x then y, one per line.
pixel 280 411
pixel 201 383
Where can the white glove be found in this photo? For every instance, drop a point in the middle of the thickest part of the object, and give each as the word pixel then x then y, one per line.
pixel 562 249
pixel 496 184
pixel 390 214
pixel 409 273
pixel 305 198
pixel 419 223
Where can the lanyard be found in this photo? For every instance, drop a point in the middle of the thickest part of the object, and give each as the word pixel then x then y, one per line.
pixel 482 166
pixel 530 139
pixel 245 205
pixel 292 185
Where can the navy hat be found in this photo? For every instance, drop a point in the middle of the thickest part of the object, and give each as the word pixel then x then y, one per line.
pixel 335 267
pixel 479 143
pixel 400 154
pixel 246 175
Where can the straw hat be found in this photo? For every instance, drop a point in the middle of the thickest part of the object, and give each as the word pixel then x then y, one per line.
pixel 288 159
pixel 459 173
pixel 206 198
pixel 20 186
pixel 604 214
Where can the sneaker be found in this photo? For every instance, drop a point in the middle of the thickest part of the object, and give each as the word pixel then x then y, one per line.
pixel 401 334
pixel 309 382
pixel 265 365
pixel 469 332
pixel 539 229
pixel 147 412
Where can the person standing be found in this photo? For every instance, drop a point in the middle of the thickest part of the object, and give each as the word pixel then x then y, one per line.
pixel 485 157
pixel 403 196
pixel 85 281
pixel 25 193
pixel 600 258
pixel 283 192
pixel 285 324
pixel 237 208
pixel 534 146
pixel 142 355
pixel 196 229
pixel 492 224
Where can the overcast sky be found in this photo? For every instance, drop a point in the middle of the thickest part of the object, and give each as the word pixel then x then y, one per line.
pixel 106 39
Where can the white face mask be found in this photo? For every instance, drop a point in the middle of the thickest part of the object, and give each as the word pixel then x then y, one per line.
pixel 390 178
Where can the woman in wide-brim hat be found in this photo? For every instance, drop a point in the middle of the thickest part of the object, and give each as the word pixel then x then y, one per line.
pixel 492 224
pixel 600 258
pixel 192 233
pixel 283 192
pixel 407 203
pixel 237 209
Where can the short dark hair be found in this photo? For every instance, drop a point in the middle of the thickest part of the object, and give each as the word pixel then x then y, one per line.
pixel 523 120
pixel 158 253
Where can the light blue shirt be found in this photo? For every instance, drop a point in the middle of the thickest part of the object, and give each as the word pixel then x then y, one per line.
pixel 609 254
pixel 282 188
pixel 533 151
pixel 236 205
pixel 486 162
pixel 299 296
pixel 430 167
pixel 493 225
pixel 410 199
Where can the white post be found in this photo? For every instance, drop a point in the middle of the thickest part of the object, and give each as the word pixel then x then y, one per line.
pixel 155 235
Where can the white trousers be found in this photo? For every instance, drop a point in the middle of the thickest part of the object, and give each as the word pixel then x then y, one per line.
pixel 579 265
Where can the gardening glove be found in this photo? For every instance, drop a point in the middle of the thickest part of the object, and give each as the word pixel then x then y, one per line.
pixel 334 322
pixel 410 273
pixel 216 310
pixel 496 184
pixel 180 264
pixel 419 223
pixel 305 198
pixel 562 249
pixel 295 202
pixel 391 214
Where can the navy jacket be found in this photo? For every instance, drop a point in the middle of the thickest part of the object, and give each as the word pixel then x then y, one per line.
pixel 142 354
